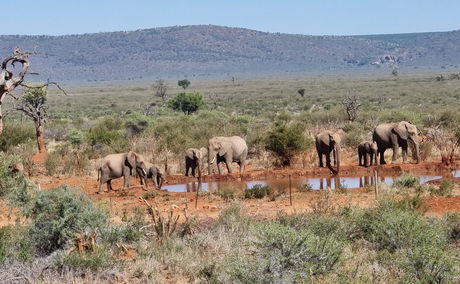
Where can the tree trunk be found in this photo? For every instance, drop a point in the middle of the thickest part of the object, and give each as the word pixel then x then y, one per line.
pixel 39 132
pixel 1 119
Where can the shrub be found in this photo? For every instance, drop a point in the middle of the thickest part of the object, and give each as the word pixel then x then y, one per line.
pixel 452 222
pixel 257 191
pixel 226 194
pixel 391 227
pixel 286 141
pixel 75 137
pixel 151 194
pixel 188 103
pixel 444 189
pixel 306 187
pixel 57 215
pixel 289 254
pixel 406 181
pixel 15 134
pixel 109 132
pixel 95 260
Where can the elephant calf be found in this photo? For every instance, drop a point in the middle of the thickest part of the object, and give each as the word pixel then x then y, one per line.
pixel 119 165
pixel 153 172
pixel 367 150
pixel 195 158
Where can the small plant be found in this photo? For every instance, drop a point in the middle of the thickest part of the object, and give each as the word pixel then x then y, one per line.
pixel 323 203
pixel 226 194
pixel 306 187
pixel 406 181
pixel 188 103
pixel 257 191
pixel 151 194
pixel 183 83
pixel 163 227
pixel 445 189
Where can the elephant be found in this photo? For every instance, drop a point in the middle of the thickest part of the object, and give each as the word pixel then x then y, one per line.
pixel 230 149
pixel 195 158
pixel 327 142
pixel 395 135
pixel 154 172
pixel 119 165
pixel 367 150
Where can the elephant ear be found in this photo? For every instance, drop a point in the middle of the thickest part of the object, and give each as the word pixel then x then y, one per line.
pixel 222 148
pixel 331 139
pixel 131 159
pixel 401 130
pixel 196 154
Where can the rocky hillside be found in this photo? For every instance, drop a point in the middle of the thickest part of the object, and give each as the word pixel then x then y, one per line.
pixel 214 50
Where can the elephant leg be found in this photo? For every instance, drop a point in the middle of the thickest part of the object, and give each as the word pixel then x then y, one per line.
pixel 228 163
pixel 101 183
pixel 109 185
pixel 395 153
pixel 320 158
pixel 328 159
pixel 371 157
pixel 194 170
pixel 155 183
pixel 366 160
pixel 187 168
pixel 127 176
pixel 382 157
pixel 404 154
pixel 360 158
pixel 242 164
pixel 218 168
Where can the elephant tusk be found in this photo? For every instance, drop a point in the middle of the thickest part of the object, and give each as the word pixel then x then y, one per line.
pixel 144 172
pixel 213 159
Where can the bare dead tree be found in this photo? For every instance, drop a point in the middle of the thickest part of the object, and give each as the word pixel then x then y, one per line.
pixel 8 80
pixel 351 105
pixel 301 92
pixel 160 88
pixel 445 141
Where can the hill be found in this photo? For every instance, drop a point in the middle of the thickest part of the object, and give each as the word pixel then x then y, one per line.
pixel 208 50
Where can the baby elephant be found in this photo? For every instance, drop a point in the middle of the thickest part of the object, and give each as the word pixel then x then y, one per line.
pixel 153 172
pixel 367 149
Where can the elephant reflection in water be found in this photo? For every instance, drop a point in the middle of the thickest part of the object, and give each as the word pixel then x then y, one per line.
pixel 329 182
pixel 192 186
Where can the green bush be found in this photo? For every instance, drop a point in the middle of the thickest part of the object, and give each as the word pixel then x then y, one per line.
pixel 444 189
pixel 406 181
pixel 15 134
pixel 286 141
pixel 188 103
pixel 95 260
pixel 151 194
pixel 257 191
pixel 75 137
pixel 226 194
pixel 110 131
pixel 391 227
pixel 285 255
pixel 57 215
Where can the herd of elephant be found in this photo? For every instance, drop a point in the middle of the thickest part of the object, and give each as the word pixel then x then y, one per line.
pixel 234 149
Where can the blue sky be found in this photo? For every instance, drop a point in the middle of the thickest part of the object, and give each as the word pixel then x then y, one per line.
pixel 320 17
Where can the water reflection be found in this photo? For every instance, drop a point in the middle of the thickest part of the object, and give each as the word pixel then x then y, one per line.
pixel 283 183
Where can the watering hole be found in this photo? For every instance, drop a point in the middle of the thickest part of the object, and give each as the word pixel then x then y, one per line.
pixel 282 183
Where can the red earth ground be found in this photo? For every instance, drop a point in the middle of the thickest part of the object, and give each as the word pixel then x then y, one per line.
pixel 121 203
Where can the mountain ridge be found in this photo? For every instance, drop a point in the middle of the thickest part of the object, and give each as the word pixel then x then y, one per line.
pixel 209 50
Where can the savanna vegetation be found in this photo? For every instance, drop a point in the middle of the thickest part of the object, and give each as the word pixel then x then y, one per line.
pixel 62 236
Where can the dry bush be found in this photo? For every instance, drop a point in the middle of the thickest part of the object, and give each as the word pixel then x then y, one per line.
pixel 445 141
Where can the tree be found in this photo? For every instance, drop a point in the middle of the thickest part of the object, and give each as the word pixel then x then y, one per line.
pixel 183 83
pixel 160 88
pixel 301 92
pixel 286 141
pixel 351 105
pixel 187 102
pixel 33 104
pixel 8 81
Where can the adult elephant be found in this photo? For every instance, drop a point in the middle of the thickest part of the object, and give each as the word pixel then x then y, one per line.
pixel 395 135
pixel 327 142
pixel 195 158
pixel 230 149
pixel 153 172
pixel 119 165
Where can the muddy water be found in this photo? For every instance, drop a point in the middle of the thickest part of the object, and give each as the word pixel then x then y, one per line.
pixel 283 183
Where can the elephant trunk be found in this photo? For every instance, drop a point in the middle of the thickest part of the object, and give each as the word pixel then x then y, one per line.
pixel 336 157
pixel 417 152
